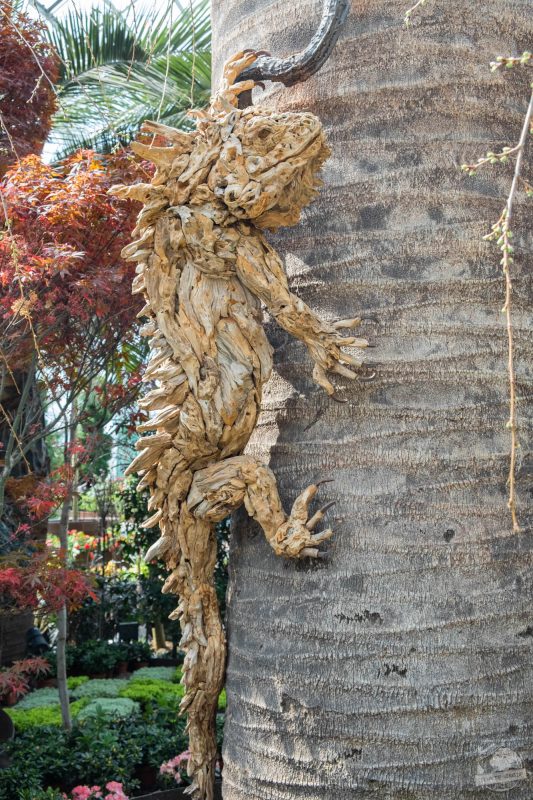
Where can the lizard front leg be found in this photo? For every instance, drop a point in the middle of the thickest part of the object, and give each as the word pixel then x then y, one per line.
pixel 221 488
pixel 261 270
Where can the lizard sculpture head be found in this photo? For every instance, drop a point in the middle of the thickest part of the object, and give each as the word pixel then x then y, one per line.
pixel 268 165
pixel 255 163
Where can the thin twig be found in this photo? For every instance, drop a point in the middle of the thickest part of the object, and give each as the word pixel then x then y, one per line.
pixel 506 262
pixel 410 11
pixel 501 233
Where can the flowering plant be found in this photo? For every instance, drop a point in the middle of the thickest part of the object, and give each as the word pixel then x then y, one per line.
pixel 176 767
pixel 114 792
pixel 82 543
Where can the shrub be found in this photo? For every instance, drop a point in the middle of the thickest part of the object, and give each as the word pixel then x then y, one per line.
pixel 147 674
pixel 89 658
pixel 114 791
pixel 39 756
pixel 26 718
pixel 139 651
pixel 95 656
pixel 35 667
pixel 102 687
pixel 104 752
pixel 160 734
pixel 38 699
pixel 109 707
pixel 154 692
pixel 13 684
pixel 20 783
pixel 174 771
pixel 79 680
pixel 94 752
pixel 43 794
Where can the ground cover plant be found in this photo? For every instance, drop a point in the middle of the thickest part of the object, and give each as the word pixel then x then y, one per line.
pixel 94 752
pixel 138 712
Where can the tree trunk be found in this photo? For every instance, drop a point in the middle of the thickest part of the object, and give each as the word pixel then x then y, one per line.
pixel 62 616
pixel 401 666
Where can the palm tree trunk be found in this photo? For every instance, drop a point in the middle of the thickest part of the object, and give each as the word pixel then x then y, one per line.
pixel 402 666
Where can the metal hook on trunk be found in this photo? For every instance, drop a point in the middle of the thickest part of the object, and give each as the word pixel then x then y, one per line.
pixel 301 66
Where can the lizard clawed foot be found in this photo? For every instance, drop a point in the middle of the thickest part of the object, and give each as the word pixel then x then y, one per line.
pixel 295 539
pixel 237 64
pixel 226 98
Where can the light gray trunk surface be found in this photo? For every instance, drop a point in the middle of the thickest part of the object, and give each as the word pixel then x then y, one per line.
pixel 401 667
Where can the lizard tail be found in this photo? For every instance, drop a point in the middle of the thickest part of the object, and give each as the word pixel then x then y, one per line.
pixel 192 579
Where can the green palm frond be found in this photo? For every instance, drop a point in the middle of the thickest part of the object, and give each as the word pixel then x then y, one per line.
pixel 120 70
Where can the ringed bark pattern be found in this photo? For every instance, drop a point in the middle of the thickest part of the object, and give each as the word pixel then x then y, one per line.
pixel 399 667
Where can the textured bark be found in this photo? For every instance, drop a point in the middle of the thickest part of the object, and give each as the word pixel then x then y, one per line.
pixel 400 666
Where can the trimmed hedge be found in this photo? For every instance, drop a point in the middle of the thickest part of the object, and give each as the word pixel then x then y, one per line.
pixel 146 674
pixel 100 687
pixel 24 719
pixel 160 693
pixel 38 699
pixel 121 707
pixel 79 680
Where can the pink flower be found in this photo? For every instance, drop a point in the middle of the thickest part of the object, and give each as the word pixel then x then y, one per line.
pixel 86 793
pixel 116 791
pixel 174 766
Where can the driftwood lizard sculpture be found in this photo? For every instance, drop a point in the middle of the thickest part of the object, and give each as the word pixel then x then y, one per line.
pixel 204 269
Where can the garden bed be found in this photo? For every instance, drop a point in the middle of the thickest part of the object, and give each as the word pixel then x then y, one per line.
pixel 125 729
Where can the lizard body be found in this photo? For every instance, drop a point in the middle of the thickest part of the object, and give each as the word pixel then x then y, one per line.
pixel 205 270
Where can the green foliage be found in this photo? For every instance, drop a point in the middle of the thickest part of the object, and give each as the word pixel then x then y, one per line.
pixel 154 693
pixel 139 651
pixel 103 752
pixel 222 700
pixel 38 699
pixel 44 794
pixel 219 725
pixel 147 674
pixel 122 69
pixel 121 707
pixel 103 687
pixel 20 784
pixel 159 735
pixel 95 656
pixel 92 657
pixel 94 752
pixel 75 682
pixel 25 718
pixel 119 600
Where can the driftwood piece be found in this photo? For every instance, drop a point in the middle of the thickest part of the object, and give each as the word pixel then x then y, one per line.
pixel 204 269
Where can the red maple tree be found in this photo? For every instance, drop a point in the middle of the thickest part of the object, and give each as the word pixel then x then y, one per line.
pixel 29 67
pixel 64 285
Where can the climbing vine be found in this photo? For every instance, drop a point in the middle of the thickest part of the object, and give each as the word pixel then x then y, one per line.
pixel 502 234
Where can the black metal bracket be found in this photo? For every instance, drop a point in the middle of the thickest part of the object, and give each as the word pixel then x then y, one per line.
pixel 301 66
